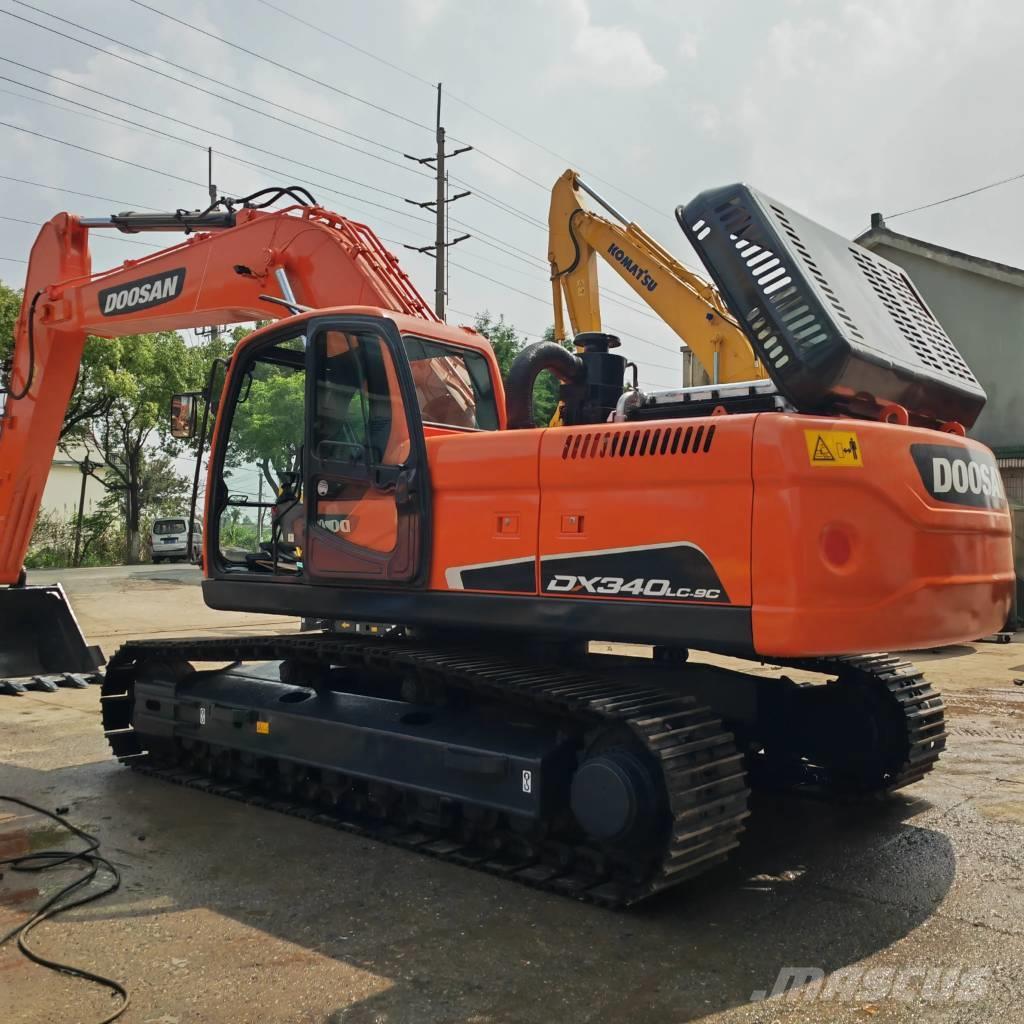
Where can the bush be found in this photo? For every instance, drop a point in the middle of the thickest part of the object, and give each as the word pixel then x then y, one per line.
pixel 53 542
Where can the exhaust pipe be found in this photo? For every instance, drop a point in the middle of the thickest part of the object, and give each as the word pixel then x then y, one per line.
pixel 41 643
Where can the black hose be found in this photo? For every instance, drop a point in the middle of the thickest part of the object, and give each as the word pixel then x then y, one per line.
pixel 31 351
pixel 58 902
pixel 526 367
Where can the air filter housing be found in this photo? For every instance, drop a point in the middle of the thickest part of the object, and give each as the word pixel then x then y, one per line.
pixel 833 322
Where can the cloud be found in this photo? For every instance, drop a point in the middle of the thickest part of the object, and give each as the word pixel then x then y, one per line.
pixel 605 54
pixel 423 12
pixel 688 45
pixel 863 106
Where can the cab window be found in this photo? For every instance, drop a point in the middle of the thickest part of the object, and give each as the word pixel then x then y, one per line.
pixel 359 413
pixel 453 385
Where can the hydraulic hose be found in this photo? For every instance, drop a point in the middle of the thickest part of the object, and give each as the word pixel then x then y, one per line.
pixel 526 367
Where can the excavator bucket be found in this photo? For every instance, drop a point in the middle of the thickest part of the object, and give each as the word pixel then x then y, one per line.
pixel 41 644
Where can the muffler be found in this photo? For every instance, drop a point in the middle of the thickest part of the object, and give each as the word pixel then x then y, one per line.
pixel 41 644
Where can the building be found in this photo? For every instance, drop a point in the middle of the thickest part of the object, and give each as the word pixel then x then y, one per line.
pixel 980 303
pixel 64 486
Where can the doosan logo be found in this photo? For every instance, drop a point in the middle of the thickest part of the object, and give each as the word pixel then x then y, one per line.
pixel 960 476
pixel 142 294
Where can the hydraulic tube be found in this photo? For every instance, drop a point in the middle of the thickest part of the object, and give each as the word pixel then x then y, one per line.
pixel 527 366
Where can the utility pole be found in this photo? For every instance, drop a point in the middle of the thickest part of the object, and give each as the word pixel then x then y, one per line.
pixel 441 245
pixel 86 467
pixel 259 513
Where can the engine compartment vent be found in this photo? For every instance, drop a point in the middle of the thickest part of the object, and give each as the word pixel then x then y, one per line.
pixel 639 442
pixel 834 323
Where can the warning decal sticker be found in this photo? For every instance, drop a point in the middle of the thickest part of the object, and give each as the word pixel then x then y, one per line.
pixel 833 448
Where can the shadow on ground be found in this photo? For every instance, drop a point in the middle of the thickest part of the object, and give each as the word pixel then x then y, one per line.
pixel 813 884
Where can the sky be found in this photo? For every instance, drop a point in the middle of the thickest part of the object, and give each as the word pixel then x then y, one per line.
pixel 836 108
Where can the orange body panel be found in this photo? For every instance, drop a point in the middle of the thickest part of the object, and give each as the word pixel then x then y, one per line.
pixel 486 499
pixel 916 572
pixel 639 493
pixel 830 559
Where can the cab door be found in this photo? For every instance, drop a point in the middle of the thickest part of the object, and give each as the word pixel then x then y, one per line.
pixel 366 484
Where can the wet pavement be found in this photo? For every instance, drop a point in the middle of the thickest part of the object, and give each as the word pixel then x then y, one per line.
pixel 913 908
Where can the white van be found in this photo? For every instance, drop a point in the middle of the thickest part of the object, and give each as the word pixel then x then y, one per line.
pixel 169 539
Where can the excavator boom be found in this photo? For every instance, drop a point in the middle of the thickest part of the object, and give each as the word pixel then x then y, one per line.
pixel 691 306
pixel 211 278
pixel 248 264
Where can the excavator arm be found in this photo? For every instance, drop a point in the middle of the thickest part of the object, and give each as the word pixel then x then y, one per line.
pixel 691 306
pixel 253 264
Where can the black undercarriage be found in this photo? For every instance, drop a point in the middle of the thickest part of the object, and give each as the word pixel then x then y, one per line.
pixel 606 778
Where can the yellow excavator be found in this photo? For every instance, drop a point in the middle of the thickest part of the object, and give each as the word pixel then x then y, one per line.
pixel 691 306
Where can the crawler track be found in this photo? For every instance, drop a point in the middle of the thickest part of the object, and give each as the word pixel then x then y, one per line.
pixel 914 710
pixel 702 777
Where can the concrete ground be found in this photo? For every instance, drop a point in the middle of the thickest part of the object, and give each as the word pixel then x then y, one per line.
pixel 230 914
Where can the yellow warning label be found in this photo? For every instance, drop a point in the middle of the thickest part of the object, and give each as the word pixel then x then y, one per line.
pixel 263 728
pixel 833 448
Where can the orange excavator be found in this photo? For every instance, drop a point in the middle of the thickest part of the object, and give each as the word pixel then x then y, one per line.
pixel 810 520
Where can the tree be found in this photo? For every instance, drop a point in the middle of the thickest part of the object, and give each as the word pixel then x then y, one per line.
pixel 268 422
pixel 504 338
pixel 10 304
pixel 507 344
pixel 268 426
pixel 132 381
pixel 88 400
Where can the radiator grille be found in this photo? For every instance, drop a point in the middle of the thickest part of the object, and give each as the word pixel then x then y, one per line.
pixel 640 442
pixel 915 321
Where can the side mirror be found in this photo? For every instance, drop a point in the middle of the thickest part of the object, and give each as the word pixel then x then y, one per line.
pixel 183 414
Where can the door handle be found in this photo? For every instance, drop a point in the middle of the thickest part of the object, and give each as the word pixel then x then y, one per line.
pixel 405 487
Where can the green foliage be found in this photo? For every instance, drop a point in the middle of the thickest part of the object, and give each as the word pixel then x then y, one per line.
pixel 507 344
pixel 236 532
pixel 125 397
pixel 53 541
pixel 10 305
pixel 267 428
pixel 504 338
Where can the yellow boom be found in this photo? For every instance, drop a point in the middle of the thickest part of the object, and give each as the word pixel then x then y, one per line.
pixel 688 304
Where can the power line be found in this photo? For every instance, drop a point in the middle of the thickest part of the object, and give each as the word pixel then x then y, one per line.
pixel 167 117
pixel 458 99
pixel 279 65
pixel 322 84
pixel 52 106
pixel 500 204
pixel 344 42
pixel 959 195
pixel 11 259
pixel 318 81
pixel 106 156
pixel 605 296
pixel 228 156
pixel 84 195
pixel 102 238
pixel 208 92
pixel 541 335
pixel 535 298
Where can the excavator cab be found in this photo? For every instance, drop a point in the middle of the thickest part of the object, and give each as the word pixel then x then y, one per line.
pixel 323 439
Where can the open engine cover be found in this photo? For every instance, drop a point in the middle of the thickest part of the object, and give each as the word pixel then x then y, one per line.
pixel 830 319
